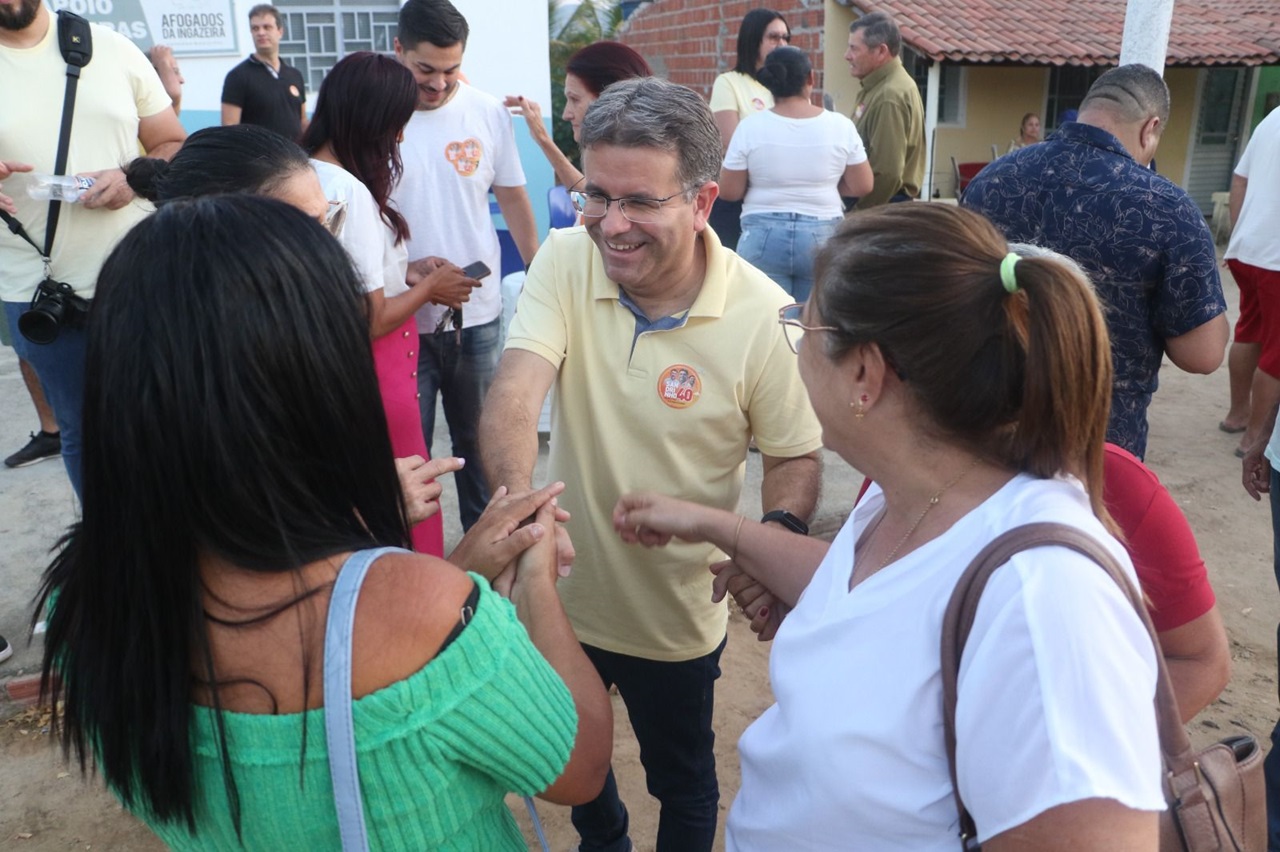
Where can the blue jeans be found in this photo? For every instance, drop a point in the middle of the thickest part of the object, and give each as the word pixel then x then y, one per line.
pixel 783 245
pixel 670 707
pixel 1271 766
pixel 461 375
pixel 60 366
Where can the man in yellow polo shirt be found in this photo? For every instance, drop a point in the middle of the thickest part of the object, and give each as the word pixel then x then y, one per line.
pixel 667 357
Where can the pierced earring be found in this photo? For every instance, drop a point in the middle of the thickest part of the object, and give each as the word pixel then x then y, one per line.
pixel 859 406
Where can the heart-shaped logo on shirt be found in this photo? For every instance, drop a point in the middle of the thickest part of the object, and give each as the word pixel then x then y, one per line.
pixel 465 155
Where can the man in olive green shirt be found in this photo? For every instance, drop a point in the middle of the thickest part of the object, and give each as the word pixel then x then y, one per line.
pixel 889 115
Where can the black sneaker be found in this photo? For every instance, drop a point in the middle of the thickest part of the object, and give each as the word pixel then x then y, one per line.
pixel 6 650
pixel 43 445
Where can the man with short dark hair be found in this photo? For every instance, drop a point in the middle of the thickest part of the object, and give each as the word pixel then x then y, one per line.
pixel 458 146
pixel 1088 192
pixel 264 89
pixel 889 115
pixel 667 357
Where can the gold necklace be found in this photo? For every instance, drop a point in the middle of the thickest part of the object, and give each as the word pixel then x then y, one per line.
pixel 933 501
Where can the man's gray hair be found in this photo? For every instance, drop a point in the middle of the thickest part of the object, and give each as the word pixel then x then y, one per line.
pixel 879 28
pixel 1132 93
pixel 649 112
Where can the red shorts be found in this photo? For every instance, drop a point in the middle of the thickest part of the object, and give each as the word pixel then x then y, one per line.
pixel 1259 312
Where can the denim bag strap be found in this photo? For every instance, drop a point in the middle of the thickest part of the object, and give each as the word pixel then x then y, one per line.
pixel 339 725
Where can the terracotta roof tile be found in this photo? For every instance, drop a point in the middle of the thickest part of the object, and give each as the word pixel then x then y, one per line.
pixel 1081 32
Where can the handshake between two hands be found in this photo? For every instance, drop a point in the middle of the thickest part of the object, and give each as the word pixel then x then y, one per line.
pixel 503 543
pixel 652 520
pixel 510 539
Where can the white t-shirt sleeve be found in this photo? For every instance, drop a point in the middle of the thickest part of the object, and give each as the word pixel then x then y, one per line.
pixel 735 157
pixel 1055 700
pixel 1242 167
pixel 853 144
pixel 363 232
pixel 507 170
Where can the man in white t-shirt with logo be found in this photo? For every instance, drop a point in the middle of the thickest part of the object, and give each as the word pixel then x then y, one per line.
pixel 458 146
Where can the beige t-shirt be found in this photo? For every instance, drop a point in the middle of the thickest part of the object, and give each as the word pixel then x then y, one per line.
pixel 116 89
pixel 740 93
pixel 667 411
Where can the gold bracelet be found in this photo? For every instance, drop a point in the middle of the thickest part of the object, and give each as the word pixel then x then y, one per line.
pixel 733 557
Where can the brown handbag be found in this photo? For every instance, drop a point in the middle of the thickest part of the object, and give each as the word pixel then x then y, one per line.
pixel 1215 797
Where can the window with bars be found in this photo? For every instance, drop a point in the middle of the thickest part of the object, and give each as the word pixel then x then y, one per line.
pixel 950 86
pixel 1068 84
pixel 316 36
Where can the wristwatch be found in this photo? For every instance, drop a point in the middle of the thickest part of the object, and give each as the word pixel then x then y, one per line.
pixel 788 520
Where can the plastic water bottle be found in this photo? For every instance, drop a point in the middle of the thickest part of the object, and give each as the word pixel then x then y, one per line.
pixel 66 188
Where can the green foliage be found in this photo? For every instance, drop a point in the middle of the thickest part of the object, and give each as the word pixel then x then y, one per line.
pixel 592 21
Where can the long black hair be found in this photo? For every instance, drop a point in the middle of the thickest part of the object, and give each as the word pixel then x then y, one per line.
pixel 751 36
pixel 239 158
pixel 231 410
pixel 364 103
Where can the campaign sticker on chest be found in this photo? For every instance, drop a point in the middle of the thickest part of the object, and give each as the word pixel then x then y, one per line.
pixel 680 386
pixel 293 90
pixel 465 155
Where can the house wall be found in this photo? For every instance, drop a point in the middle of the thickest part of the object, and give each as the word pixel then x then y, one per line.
pixel 995 99
pixel 1171 159
pixel 691 41
pixel 840 84
pixel 1268 87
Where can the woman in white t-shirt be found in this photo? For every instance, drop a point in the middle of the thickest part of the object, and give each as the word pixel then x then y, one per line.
pixel 792 163
pixel 973 387
pixel 737 94
pixel 353 138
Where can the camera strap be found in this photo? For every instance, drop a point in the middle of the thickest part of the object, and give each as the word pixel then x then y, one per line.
pixel 75 41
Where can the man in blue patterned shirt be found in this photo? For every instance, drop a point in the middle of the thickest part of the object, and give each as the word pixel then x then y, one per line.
pixel 1088 192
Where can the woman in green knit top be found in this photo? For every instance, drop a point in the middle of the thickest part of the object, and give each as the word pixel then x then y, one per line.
pixel 235 455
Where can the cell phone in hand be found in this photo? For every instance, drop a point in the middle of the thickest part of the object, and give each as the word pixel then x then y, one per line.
pixel 476 270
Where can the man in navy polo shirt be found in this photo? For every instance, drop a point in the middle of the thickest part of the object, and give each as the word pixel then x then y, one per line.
pixel 1088 192
pixel 263 90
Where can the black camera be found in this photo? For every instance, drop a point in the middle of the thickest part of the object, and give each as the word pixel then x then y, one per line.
pixel 55 306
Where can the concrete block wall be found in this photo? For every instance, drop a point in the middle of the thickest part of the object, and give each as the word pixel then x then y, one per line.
pixel 692 41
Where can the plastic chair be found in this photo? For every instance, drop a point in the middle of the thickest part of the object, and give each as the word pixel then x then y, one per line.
pixel 562 212
pixel 965 172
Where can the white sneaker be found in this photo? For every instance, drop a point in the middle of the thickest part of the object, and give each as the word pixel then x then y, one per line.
pixel 6 650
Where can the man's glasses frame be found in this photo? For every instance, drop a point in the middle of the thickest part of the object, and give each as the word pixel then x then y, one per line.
pixel 650 209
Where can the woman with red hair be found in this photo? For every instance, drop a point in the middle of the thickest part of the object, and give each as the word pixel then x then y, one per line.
pixel 588 73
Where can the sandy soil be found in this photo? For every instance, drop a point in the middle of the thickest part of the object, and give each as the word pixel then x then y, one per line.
pixel 45 805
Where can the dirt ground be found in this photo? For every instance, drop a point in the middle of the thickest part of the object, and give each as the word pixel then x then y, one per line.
pixel 44 805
